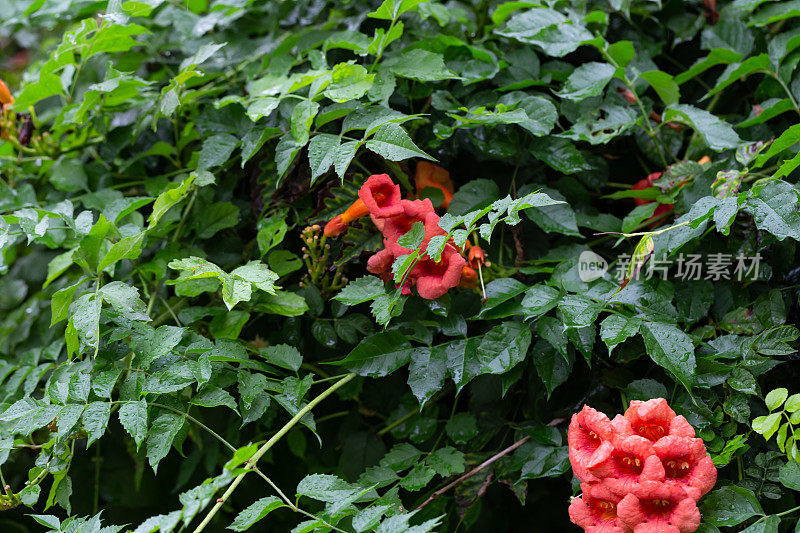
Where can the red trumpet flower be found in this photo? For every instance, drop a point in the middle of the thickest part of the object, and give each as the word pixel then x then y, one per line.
pixel 686 464
pixel 589 436
pixel 631 461
pixel 653 507
pixel 653 419
pixel 379 197
pixel 596 510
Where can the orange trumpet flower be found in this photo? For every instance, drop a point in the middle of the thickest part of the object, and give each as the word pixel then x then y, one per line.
pixel 430 175
pixel 5 95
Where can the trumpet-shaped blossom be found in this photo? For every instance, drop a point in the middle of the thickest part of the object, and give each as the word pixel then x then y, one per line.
pixel 654 507
pixel 469 278
pixel 379 197
pixel 648 459
pixel 476 257
pixel 590 441
pixel 653 420
pixel 686 464
pixel 430 175
pixel 596 510
pixel 394 217
pixel 412 211
pixel 631 461
pixel 382 198
pixel 434 279
pixel 5 95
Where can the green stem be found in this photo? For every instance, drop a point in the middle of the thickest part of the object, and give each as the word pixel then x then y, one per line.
pixel 97 460
pixel 399 421
pixel 645 118
pixel 251 464
pixel 185 216
pixel 786 89
pixel 189 417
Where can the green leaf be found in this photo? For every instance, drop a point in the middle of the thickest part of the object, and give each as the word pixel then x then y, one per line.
pixel 95 420
pixel 716 133
pixel 622 52
pixel 587 80
pixel 774 209
pixel 759 63
pixel 420 65
pixel 717 56
pixel 216 150
pixel 792 403
pixel 285 153
pixel 789 475
pixel 551 366
pixel 302 119
pixel 393 143
pixel 550 30
pixel 462 427
pixel 125 300
pixel 418 478
pixel 133 417
pixel 216 217
pixel 392 9
pixel 167 199
pixel 414 237
pixel 323 150
pixel 46 86
pixel 767 425
pixel 159 439
pixel 775 398
pixel 348 82
pixel 789 137
pixel 426 372
pixel 282 355
pixel 361 290
pixel 730 506
pixel 446 461
pixel 669 347
pixel 213 397
pixel 539 299
pixel 664 85
pixel 68 175
pixel 766 110
pixel 615 329
pixel 114 38
pixel 62 299
pixel 255 512
pixel 85 318
pixel 325 488
pixel 378 355
pixel 126 248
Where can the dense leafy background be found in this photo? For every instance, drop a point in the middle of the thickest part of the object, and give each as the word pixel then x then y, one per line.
pixel 162 305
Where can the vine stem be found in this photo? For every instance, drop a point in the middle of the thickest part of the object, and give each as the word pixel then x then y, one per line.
pixel 474 471
pixel 251 464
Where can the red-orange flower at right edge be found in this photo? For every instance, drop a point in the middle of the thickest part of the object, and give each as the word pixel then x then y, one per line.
pixel 642 472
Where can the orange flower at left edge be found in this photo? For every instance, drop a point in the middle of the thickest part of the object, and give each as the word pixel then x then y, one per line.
pixel 5 95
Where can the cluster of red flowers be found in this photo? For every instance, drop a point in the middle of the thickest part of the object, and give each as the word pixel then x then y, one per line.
pixel 642 472
pixel 380 198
